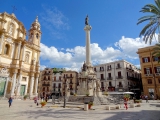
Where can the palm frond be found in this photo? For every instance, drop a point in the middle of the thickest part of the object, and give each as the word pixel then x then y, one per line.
pixel 157 3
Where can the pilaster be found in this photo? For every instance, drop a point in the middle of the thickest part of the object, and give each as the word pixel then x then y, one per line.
pixel 13 83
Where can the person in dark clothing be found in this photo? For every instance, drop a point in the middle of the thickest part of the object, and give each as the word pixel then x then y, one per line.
pixel 10 101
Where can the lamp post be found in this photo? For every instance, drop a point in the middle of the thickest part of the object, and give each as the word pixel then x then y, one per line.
pixel 65 85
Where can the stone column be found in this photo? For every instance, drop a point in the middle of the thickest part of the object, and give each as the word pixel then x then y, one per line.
pixel 19 48
pixel 1 43
pixel 19 87
pixel 31 86
pixel 88 55
pixel 23 54
pixel 13 49
pixel 13 84
pixel 36 85
pixel 6 87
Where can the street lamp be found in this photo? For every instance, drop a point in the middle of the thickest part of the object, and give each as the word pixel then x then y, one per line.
pixel 65 85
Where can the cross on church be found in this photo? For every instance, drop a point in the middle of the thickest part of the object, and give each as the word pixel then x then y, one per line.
pixel 14 8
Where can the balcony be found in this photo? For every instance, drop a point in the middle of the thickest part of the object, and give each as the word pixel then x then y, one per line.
pixel 109 69
pixel 102 78
pixel 118 67
pixel 45 84
pixel 149 75
pixel 129 68
pixel 133 78
pixel 120 86
pixel 71 83
pixel 109 78
pixel 119 77
pixel 101 70
pixel 157 74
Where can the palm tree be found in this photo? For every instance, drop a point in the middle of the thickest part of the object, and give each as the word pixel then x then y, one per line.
pixel 154 21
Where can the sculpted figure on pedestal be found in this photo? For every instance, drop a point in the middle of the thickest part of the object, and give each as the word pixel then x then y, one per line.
pixel 86 20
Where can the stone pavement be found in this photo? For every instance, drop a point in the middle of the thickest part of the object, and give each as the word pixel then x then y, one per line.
pixel 27 110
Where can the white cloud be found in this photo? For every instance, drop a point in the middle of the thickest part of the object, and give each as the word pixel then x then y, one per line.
pixel 73 58
pixel 42 67
pixel 129 46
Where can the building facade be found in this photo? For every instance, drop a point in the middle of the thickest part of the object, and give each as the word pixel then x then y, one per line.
pixel 19 58
pixel 119 76
pixel 69 81
pixel 150 71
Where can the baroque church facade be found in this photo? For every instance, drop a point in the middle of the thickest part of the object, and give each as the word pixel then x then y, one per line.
pixel 19 58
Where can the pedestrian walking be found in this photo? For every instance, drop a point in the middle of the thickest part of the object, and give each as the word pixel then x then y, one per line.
pixel 10 101
pixel 146 97
pixel 125 103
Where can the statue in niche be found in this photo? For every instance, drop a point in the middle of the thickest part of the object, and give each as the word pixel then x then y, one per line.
pixel 10 29
pixel 86 20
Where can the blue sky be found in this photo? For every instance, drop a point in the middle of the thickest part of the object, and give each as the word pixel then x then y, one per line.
pixel 114 34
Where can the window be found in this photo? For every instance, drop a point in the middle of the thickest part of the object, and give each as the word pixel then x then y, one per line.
pixel 60 78
pixel 70 75
pixel 6 49
pixel 44 89
pixel 146 59
pixel 118 65
pixel 54 78
pixel 101 69
pixel 109 75
pixel 23 78
pixel 94 69
pixel 109 67
pixel 119 74
pixel 158 69
pixel 147 70
pixel 110 84
pixel 37 36
pixel 102 77
pixel 155 58
pixel 158 80
pixel 149 81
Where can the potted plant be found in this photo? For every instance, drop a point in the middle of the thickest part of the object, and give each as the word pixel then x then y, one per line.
pixel 25 97
pixel 90 104
pixel 87 94
pixel 126 97
pixel 43 103
pixel 106 93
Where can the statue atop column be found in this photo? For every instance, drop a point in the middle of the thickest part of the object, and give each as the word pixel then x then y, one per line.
pixel 87 20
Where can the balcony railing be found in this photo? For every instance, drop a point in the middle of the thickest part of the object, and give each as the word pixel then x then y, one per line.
pixel 149 75
pixel 157 74
pixel 120 86
pixel 109 78
pixel 109 69
pixel 45 84
pixel 118 67
pixel 119 77
pixel 101 70
pixel 102 78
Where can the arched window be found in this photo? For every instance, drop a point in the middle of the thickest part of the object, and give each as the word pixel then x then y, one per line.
pixel 37 36
pixel 26 58
pixel 6 49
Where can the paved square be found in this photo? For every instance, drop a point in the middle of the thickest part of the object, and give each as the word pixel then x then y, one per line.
pixel 27 110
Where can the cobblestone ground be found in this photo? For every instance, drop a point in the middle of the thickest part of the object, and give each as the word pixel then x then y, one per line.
pixel 27 110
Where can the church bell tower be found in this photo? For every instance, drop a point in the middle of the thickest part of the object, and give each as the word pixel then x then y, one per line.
pixel 35 33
